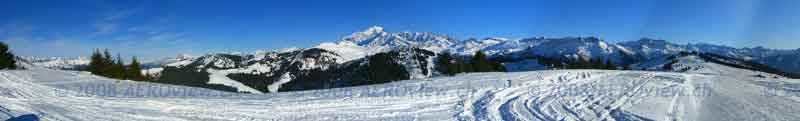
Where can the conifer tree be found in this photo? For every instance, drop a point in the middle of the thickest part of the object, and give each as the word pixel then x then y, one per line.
pixel 627 67
pixel 148 77
pixel 103 65
pixel 118 69
pixel 107 64
pixel 596 64
pixel 383 68
pixel 458 66
pixel 465 66
pixel 480 63
pixel 7 60
pixel 107 58
pixel 610 65
pixel 584 63
pixel 445 63
pixel 578 63
pixel 96 62
pixel 497 66
pixel 134 71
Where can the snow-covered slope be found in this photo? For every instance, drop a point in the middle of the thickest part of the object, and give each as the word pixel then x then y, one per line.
pixel 470 46
pixel 348 51
pixel 729 94
pixel 710 63
pixel 511 46
pixel 651 49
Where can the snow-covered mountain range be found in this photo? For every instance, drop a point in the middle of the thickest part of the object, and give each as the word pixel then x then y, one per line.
pixel 703 90
pixel 332 64
pixel 375 39
pixel 64 63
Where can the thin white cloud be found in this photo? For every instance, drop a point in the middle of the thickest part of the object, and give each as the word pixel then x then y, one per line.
pixel 105 28
pixel 24 45
pixel 108 24
pixel 149 40
pixel 22 41
pixel 118 15
pixel 166 37
pixel 16 29
pixel 147 29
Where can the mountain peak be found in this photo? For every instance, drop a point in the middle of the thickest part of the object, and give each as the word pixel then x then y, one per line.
pixel 184 56
pixel 374 29
pixel 375 36
pixel 361 36
pixel 650 40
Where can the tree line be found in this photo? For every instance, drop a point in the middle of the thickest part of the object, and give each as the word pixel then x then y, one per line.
pixel 103 64
pixel 450 65
pixel 383 68
pixel 579 63
pixel 7 60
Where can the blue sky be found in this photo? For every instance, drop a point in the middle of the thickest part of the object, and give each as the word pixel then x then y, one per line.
pixel 163 28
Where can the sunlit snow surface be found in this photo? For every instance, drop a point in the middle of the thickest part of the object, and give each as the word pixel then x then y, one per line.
pixel 726 94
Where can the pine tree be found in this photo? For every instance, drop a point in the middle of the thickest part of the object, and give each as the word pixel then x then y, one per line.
pixel 459 66
pixel 584 63
pixel 578 63
pixel 610 65
pixel 103 65
pixel 96 63
pixel 107 58
pixel 383 68
pixel 627 67
pixel 118 69
pixel 466 66
pixel 552 63
pixel 454 68
pixel 596 64
pixel 107 64
pixel 481 63
pixel 134 71
pixel 445 64
pixel 497 66
pixel 7 60
pixel 148 77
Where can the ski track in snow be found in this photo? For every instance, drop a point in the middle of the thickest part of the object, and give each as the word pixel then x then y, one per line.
pixel 221 77
pixel 530 101
pixel 519 96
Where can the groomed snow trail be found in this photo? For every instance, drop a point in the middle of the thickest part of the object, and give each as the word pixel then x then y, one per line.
pixel 519 96
pixel 578 95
